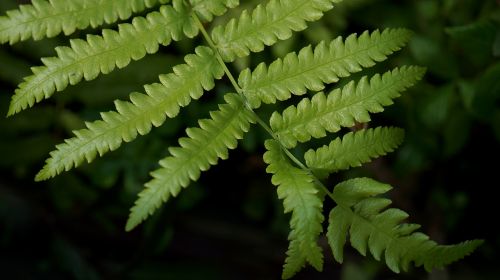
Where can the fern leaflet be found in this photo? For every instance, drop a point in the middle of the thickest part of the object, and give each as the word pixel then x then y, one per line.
pixel 342 107
pixel 362 216
pixel 201 149
pixel 354 149
pixel 311 69
pixel 138 116
pixel 207 9
pixel 49 18
pixel 301 197
pixel 266 25
pixel 100 54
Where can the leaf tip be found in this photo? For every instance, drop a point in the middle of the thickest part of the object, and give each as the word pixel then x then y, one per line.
pixel 134 219
pixel 43 175
pixel 131 224
pixel 474 244
pixel 420 71
pixel 12 110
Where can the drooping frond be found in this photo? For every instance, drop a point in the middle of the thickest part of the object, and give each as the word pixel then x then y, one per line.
pixel 312 68
pixel 354 149
pixel 139 115
pixel 342 107
pixel 267 24
pixel 300 196
pixel 49 18
pixel 370 226
pixel 101 54
pixel 201 149
pixel 207 9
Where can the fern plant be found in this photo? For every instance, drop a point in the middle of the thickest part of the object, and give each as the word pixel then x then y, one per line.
pixel 360 215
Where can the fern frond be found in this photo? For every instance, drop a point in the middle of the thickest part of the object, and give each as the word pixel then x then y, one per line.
pixel 359 216
pixel 201 149
pixel 139 115
pixel 101 54
pixel 49 18
pixel 354 149
pixel 301 197
pixel 370 226
pixel 342 107
pixel 267 24
pixel 207 9
pixel 325 64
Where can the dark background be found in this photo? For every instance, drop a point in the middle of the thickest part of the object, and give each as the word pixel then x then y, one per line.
pixel 229 224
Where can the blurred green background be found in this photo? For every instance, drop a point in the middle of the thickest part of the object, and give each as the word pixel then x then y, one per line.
pixel 230 225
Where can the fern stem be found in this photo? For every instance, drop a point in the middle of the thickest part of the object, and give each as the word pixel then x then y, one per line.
pixel 217 54
pixel 259 120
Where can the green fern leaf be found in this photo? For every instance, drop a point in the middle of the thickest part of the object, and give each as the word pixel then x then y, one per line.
pixel 266 25
pixel 342 107
pixel 360 216
pixel 312 68
pixel 439 256
pixel 207 9
pixel 301 197
pixel 203 147
pixel 101 54
pixel 354 149
pixel 373 228
pixel 45 18
pixel 138 116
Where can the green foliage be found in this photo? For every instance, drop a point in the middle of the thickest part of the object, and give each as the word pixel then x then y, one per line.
pixel 101 54
pixel 362 216
pixel 354 149
pixel 44 19
pixel 300 196
pixel 357 214
pixel 267 23
pixel 342 107
pixel 201 149
pixel 311 69
pixel 162 100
